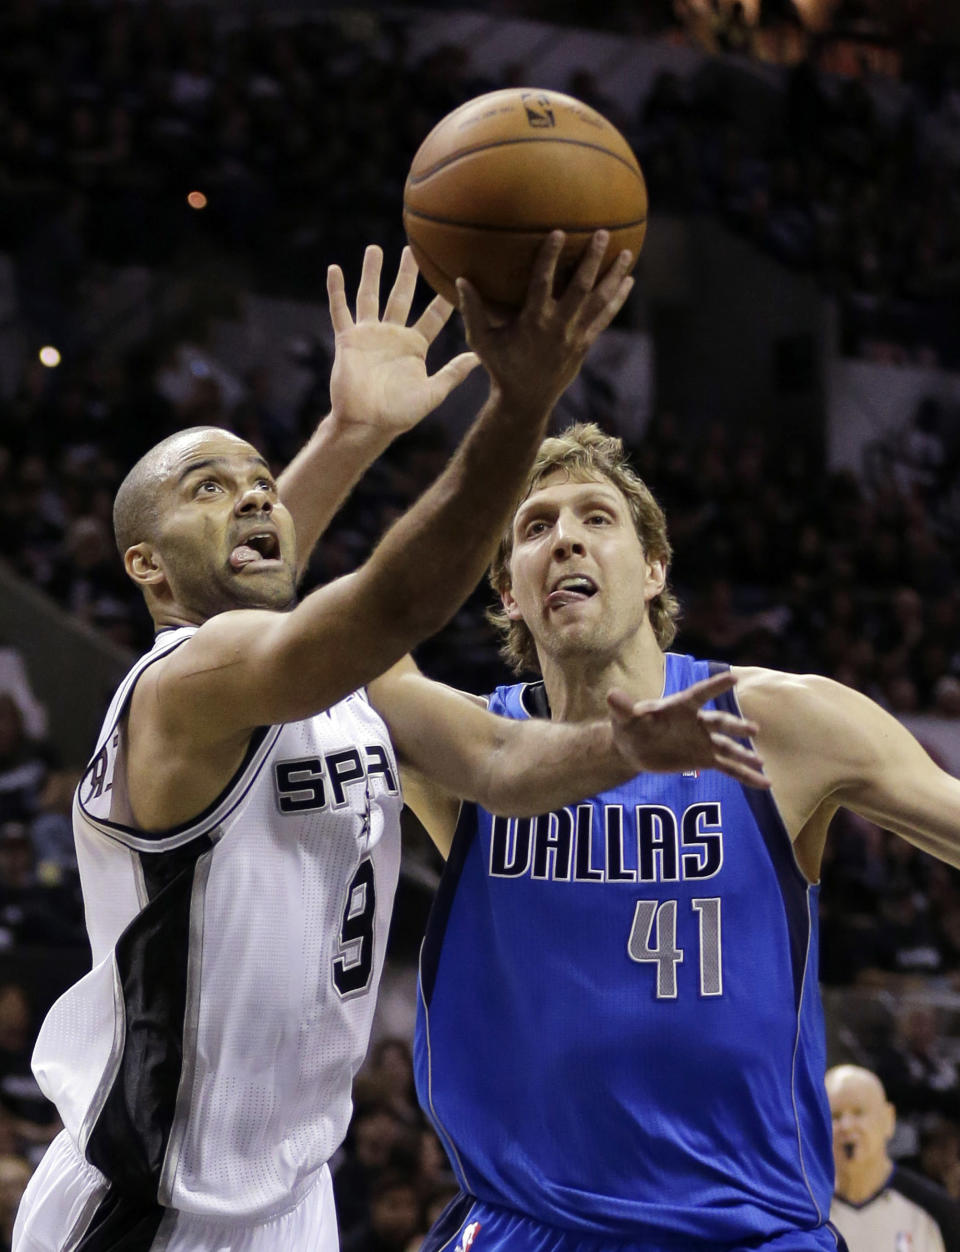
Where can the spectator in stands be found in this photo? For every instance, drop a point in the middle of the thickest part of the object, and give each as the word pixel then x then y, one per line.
pixel 15 1173
pixel 395 1216
pixel 24 765
pixel 878 1204
pixel 87 580
pixel 390 1072
pixel 377 1141
pixel 916 1068
pixel 32 1118
pixel 433 1169
pixel 433 1206
pixel 33 796
pixel 732 32
pixel 15 682
pixel 938 1154
pixel 34 912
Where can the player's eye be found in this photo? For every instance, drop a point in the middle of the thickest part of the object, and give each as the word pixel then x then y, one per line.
pixel 536 527
pixel 209 486
pixel 598 519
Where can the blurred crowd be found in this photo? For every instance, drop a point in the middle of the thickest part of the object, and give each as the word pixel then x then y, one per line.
pixel 820 175
pixel 297 137
pixel 111 112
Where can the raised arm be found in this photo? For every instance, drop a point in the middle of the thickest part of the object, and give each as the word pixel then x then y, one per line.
pixel 827 746
pixel 456 750
pixel 249 667
pixel 379 388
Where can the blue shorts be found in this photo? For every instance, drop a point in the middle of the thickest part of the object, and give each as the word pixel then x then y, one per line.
pixel 470 1225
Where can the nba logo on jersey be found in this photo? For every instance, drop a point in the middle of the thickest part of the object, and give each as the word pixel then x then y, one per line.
pixel 469 1234
pixel 904 1241
pixel 690 773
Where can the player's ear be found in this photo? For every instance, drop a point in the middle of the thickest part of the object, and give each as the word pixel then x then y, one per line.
pixel 510 606
pixel 143 564
pixel 890 1119
pixel 656 578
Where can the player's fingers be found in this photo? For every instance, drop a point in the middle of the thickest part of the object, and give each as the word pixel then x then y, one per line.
pixel 401 293
pixel 728 724
pixel 708 688
pixel 475 314
pixel 368 293
pixel 623 707
pixel 433 318
pixel 544 272
pixel 337 299
pixel 608 289
pixel 599 319
pixel 748 768
pixel 730 750
pixel 452 375
pixel 619 704
pixel 744 774
pixel 584 277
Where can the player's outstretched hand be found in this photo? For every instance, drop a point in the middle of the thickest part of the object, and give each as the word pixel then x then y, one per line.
pixel 677 733
pixel 532 356
pixel 379 376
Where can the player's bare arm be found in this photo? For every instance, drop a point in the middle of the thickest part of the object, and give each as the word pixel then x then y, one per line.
pixel 193 712
pixel 379 388
pixel 826 746
pixel 454 749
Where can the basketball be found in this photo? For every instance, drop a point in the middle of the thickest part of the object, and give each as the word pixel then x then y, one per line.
pixel 496 175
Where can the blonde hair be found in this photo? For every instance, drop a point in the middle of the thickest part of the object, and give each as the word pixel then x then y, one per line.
pixel 584 452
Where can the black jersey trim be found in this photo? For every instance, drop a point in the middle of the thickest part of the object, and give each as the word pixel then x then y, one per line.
pixel 132 836
pixel 448 1225
pixel 128 1142
pixel 534 702
pixel 184 832
pixel 463 839
pixel 159 869
pixel 121 1224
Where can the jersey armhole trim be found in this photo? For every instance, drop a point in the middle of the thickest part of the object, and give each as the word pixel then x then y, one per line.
pixel 216 812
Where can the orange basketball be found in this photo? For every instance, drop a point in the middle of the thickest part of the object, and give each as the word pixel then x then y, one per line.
pixel 500 172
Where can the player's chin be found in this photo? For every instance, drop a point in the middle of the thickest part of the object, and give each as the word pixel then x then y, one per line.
pixel 266 589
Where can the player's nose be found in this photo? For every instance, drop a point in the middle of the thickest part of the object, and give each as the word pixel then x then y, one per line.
pixel 255 499
pixel 568 537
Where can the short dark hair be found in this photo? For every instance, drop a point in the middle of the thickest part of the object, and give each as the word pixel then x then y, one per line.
pixel 136 506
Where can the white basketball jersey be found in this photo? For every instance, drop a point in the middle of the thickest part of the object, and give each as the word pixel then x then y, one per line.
pixel 207 1059
pixel 887 1223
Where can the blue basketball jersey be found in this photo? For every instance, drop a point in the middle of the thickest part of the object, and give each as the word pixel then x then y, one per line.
pixel 619 1029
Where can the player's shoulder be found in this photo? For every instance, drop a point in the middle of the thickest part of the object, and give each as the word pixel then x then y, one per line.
pixel 783 699
pixel 772 685
pixel 778 684
pixel 185 651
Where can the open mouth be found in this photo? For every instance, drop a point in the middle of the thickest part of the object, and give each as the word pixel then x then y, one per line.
pixel 263 546
pixel 572 589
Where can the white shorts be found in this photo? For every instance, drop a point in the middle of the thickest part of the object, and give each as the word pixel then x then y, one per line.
pixel 60 1205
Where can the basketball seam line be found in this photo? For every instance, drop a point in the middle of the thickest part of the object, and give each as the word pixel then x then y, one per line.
pixel 533 228
pixel 414 180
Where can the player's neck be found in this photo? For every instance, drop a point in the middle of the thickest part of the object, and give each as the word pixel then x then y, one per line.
pixel 577 684
pixel 866 1180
